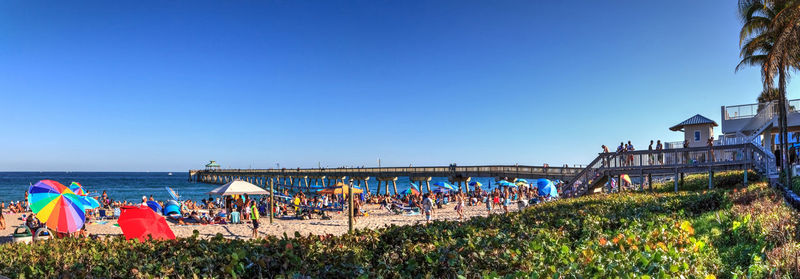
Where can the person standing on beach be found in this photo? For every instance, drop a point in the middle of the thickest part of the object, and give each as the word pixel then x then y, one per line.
pixel 254 216
pixel 2 220
pixel 427 206
pixel 506 200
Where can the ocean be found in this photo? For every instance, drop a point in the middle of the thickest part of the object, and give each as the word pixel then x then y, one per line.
pixel 131 186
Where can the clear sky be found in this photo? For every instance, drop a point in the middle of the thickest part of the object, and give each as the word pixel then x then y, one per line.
pixel 169 85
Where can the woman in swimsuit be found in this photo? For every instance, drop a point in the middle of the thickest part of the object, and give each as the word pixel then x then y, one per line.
pixel 506 201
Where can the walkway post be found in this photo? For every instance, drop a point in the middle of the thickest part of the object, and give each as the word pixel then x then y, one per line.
pixel 641 180
pixel 350 207
pixel 676 180
pixel 710 179
pixel 745 175
pixel 271 199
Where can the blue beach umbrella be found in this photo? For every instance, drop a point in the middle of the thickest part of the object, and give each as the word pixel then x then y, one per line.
pixel 154 206
pixel 505 183
pixel 522 180
pixel 446 186
pixel 174 195
pixel 546 188
pixel 475 184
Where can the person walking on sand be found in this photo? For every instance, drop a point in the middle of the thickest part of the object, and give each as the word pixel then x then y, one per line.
pixel 460 206
pixel 489 203
pixel 254 216
pixel 2 221
pixel 427 206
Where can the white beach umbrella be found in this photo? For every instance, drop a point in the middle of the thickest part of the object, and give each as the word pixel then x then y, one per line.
pixel 238 187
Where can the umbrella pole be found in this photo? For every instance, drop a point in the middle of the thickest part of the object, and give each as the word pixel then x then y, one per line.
pixel 350 207
pixel 271 199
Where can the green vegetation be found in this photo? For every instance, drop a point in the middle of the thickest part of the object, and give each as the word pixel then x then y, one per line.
pixel 699 182
pixel 721 233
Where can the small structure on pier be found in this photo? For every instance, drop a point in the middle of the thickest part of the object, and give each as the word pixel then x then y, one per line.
pixel 212 165
pixel 696 130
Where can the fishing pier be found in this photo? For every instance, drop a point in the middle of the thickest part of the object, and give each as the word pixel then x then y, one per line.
pixel 457 175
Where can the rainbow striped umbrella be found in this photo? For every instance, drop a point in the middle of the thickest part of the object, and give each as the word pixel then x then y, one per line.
pixel 57 206
pixel 413 190
pixel 77 189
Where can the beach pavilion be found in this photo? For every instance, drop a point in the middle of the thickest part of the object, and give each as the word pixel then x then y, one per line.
pixel 696 130
pixel 212 165
pixel 238 187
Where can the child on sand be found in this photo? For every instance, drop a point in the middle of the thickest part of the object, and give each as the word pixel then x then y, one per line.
pixel 460 206
pixel 427 206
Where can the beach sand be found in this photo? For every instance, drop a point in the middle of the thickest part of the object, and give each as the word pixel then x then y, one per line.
pixel 336 226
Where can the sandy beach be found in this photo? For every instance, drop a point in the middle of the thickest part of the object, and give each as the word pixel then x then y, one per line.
pixel 336 226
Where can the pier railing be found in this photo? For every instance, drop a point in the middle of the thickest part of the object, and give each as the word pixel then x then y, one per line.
pixel 477 171
pixel 670 161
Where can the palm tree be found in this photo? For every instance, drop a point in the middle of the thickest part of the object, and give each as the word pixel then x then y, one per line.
pixel 770 38
pixel 769 95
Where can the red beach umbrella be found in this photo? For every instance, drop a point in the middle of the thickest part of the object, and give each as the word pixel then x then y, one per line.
pixel 141 221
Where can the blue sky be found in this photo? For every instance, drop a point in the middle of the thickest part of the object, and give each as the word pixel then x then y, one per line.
pixel 168 85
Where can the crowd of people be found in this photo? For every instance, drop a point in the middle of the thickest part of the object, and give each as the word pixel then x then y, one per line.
pixel 302 205
pixel 625 158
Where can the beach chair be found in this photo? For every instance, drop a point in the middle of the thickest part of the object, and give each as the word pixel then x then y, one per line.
pixel 117 212
pixel 101 214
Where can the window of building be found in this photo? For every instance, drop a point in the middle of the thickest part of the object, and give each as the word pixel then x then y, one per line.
pixel 696 135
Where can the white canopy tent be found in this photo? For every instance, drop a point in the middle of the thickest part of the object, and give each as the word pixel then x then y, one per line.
pixel 238 187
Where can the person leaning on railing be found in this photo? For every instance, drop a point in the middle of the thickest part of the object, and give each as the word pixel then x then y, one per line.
pixel 711 149
pixel 660 147
pixel 685 153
